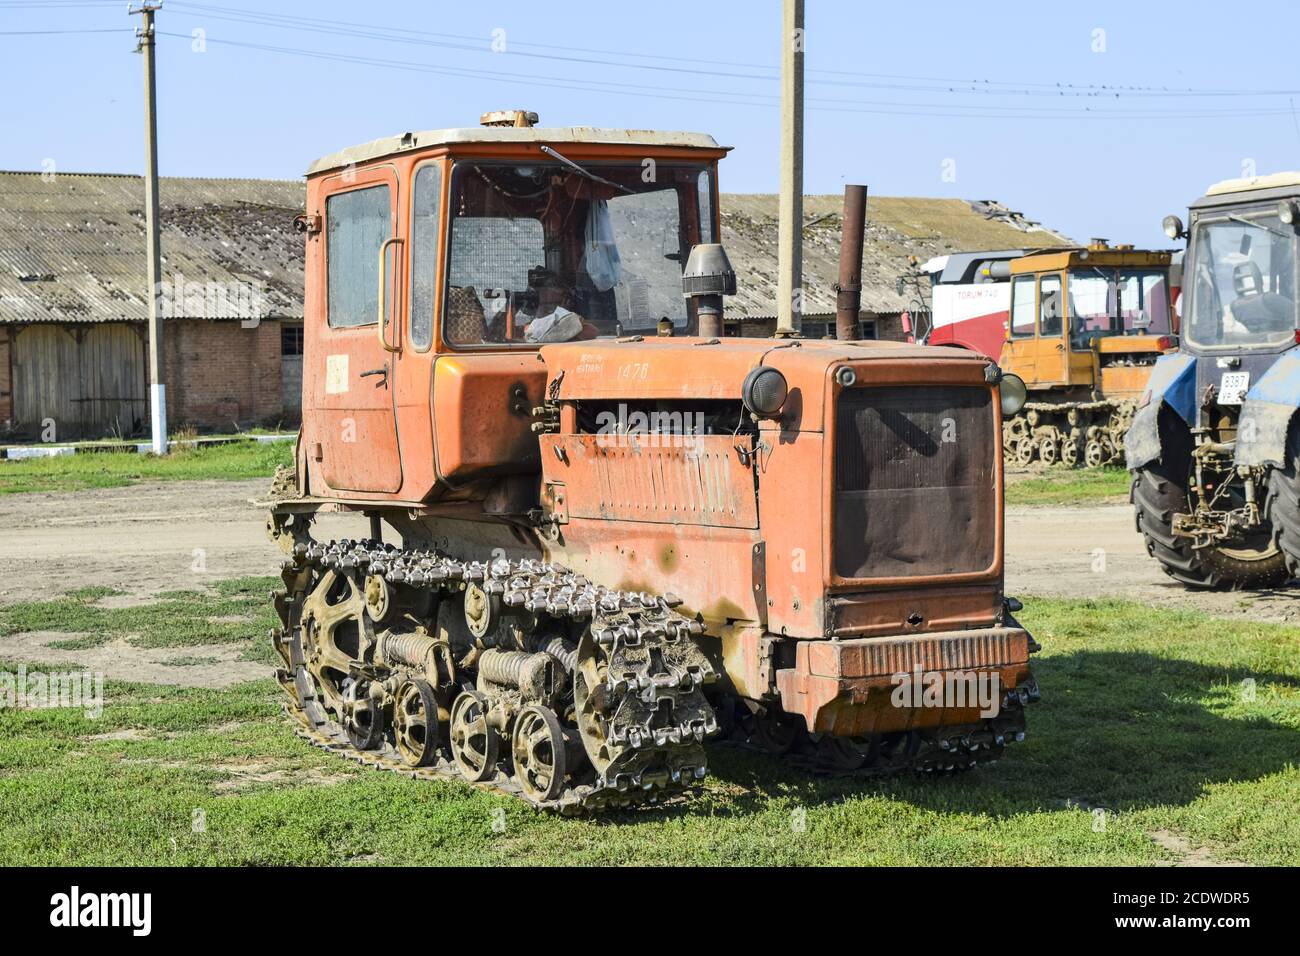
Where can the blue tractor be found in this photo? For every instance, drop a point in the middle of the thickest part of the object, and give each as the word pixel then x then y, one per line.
pixel 1214 445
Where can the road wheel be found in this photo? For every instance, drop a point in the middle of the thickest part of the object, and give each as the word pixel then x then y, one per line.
pixel 415 723
pixel 1282 505
pixel 1157 497
pixel 1047 449
pixel 1025 450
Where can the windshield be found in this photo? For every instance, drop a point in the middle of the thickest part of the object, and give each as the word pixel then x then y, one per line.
pixel 540 252
pixel 1242 273
pixel 1107 301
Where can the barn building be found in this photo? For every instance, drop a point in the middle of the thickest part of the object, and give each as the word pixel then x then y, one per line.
pixel 73 304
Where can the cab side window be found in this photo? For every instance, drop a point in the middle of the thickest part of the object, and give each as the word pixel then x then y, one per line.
pixel 1052 309
pixel 427 197
pixel 1022 306
pixel 356 223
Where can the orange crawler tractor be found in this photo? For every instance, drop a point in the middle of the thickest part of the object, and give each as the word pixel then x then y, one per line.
pixel 600 534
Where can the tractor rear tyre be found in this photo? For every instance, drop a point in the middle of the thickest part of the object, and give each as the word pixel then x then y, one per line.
pixel 1282 505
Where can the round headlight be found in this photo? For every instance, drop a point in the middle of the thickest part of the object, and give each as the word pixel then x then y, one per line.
pixel 1173 227
pixel 1013 392
pixel 1288 212
pixel 764 391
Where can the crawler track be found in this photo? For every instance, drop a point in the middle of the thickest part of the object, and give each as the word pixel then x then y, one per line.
pixel 528 679
pixel 610 684
pixel 1073 433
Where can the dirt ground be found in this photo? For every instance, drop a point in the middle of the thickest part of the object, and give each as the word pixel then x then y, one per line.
pixel 150 538
pixel 141 539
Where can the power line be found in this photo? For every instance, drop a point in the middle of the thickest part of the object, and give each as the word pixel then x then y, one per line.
pixel 29 33
pixel 948 85
pixel 475 44
pixel 711 96
pixel 674 93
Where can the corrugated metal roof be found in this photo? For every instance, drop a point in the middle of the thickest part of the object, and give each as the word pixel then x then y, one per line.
pixel 72 245
pixel 897 227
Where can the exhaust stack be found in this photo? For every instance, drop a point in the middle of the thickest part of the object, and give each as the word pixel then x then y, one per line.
pixel 848 290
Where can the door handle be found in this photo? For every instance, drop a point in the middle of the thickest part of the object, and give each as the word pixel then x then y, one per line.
pixel 383 382
pixel 383 291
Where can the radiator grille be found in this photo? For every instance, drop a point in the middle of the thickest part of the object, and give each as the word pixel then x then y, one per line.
pixel 914 488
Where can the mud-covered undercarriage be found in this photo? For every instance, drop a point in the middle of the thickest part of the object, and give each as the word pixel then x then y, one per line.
pixel 1074 433
pixel 519 674
pixel 525 677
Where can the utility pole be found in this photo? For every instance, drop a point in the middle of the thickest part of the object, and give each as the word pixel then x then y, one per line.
pixel 790 230
pixel 153 258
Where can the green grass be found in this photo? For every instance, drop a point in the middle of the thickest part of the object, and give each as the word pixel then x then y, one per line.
pixel 1142 715
pixel 1071 486
pixel 238 613
pixel 248 459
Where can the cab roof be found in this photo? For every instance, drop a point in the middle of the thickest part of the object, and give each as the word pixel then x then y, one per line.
pixel 1272 181
pixel 406 142
pixel 1055 259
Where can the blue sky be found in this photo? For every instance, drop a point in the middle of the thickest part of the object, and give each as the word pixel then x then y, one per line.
pixel 1097 118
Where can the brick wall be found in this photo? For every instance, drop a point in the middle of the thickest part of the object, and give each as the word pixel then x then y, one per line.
pixel 890 326
pixel 220 373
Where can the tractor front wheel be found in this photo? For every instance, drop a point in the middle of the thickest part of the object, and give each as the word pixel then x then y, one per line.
pixel 1156 498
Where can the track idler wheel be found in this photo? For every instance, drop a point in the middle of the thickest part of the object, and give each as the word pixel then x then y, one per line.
pixel 539 753
pixel 842 754
pixel 362 718
pixel 415 723
pixel 474 742
pixel 773 731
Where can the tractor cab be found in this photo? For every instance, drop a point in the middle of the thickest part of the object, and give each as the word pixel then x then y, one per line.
pixel 1088 320
pixel 438 262
pixel 1242 269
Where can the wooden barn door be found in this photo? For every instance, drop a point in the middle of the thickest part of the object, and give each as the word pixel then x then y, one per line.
pixel 89 382
pixel 114 395
pixel 45 373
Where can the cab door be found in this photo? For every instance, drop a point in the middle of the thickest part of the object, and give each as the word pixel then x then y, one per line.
pixel 423 283
pixel 1051 349
pixel 1019 352
pixel 350 373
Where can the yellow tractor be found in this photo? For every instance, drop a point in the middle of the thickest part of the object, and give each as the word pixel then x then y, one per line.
pixel 1084 329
